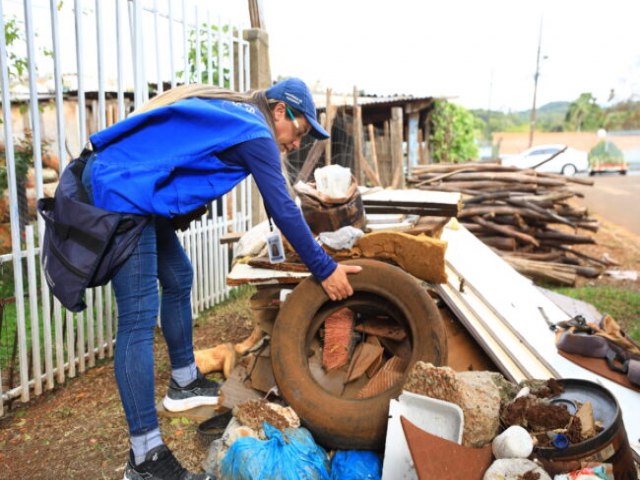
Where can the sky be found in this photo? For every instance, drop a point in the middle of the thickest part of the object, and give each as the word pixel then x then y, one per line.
pixel 478 53
pixel 481 54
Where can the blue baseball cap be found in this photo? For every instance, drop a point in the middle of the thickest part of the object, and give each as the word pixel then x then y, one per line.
pixel 296 94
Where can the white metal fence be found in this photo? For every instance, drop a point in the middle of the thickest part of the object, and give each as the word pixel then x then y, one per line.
pixel 103 55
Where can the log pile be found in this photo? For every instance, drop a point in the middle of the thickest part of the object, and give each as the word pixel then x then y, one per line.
pixel 524 215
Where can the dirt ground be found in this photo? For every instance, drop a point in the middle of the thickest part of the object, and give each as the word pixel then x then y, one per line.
pixel 78 431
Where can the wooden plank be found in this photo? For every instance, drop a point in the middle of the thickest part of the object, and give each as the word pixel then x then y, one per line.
pixel 91 334
pixel 374 154
pixel 33 311
pixel 311 162
pixel 110 319
pixel 417 210
pixel 330 111
pixel 410 197
pixel 526 311
pixel 413 201
pixel 362 166
pixel 80 346
pixel 397 155
pixel 100 321
pixel 243 274
pixel 412 142
pixel 256 14
pixel 482 333
pixel 57 325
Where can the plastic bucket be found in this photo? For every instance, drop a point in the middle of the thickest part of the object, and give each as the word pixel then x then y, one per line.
pixel 609 446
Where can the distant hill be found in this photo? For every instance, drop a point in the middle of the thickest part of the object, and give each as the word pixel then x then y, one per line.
pixel 549 117
pixel 552 110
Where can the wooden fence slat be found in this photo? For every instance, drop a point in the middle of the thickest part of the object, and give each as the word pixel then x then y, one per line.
pixel 22 351
pixel 109 318
pixel 200 262
pixel 80 345
pixel 46 331
pixel 91 343
pixel 71 349
pixel 100 321
pixel 36 367
pixel 59 339
pixel 206 256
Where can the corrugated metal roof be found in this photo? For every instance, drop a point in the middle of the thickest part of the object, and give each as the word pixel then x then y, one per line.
pixel 320 100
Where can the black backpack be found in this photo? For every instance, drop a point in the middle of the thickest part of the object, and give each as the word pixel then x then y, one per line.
pixel 83 246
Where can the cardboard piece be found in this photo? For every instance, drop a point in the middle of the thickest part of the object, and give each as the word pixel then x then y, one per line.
pixel 382 327
pixel 364 355
pixel 436 457
pixel 390 374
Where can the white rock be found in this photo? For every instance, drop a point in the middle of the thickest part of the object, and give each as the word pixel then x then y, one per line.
pixel 514 442
pixel 513 469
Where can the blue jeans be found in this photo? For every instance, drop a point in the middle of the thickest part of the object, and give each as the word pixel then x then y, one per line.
pixel 158 257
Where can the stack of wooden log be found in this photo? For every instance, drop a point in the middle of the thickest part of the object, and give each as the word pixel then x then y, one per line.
pixel 525 215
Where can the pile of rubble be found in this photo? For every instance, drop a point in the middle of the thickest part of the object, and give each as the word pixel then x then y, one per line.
pixel 530 430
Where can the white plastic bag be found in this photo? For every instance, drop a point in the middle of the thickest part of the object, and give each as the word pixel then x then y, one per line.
pixel 333 180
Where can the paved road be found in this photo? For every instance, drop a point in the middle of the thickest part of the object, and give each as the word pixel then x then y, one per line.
pixel 616 198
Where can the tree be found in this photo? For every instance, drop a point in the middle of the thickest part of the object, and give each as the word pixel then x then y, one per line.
pixel 624 115
pixel 584 114
pixel 453 133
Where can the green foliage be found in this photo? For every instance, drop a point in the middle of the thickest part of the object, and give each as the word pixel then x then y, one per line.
pixel 17 64
pixel 549 118
pixel 623 116
pixel 584 114
pixel 23 155
pixel 580 115
pixel 204 59
pixel 453 133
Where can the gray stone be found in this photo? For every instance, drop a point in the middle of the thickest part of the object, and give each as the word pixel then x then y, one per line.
pixel 475 392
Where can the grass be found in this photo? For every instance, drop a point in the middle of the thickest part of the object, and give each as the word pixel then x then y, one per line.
pixel 622 304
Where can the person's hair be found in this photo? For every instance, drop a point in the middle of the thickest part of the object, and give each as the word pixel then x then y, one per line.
pixel 254 97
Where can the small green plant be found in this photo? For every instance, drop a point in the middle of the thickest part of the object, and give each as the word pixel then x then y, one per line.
pixel 453 133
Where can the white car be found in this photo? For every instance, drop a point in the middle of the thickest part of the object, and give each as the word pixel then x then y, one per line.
pixel 569 162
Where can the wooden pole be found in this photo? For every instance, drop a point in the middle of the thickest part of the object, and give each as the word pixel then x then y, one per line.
pixel 397 156
pixel 386 154
pixel 357 139
pixel 329 123
pixel 374 154
pixel 311 161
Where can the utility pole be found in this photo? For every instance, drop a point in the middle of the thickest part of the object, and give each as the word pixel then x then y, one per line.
pixel 532 125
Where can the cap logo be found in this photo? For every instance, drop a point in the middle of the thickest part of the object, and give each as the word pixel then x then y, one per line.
pixel 291 97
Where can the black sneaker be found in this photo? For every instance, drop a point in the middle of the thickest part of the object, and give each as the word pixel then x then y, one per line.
pixel 160 464
pixel 199 392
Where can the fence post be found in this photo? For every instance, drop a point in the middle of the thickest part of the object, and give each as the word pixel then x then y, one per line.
pixel 397 154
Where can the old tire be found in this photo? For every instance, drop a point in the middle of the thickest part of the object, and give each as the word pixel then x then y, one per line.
pixel 350 423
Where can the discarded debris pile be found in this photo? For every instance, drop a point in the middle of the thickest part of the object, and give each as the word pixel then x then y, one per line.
pixel 524 215
pixel 445 424
pixel 562 425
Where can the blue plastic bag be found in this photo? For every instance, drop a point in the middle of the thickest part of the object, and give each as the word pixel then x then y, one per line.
pixel 292 455
pixel 356 465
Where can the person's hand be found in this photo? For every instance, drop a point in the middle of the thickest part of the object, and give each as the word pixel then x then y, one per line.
pixel 337 285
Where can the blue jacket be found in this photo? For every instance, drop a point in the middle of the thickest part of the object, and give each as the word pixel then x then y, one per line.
pixel 164 161
pixel 173 159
